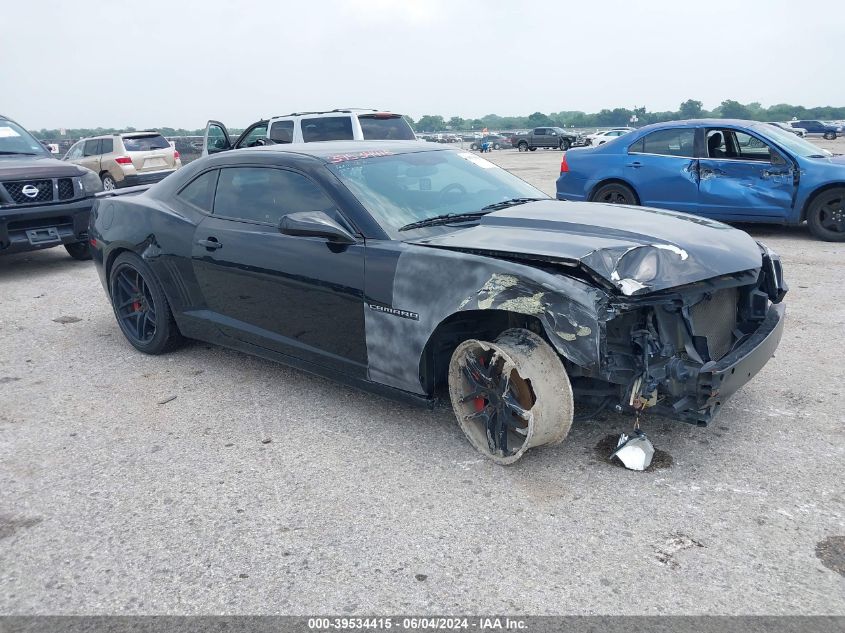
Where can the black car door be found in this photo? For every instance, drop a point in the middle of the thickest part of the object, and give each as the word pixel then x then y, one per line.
pixel 300 296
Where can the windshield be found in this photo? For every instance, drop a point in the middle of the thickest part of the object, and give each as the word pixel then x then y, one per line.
pixel 793 143
pixel 16 140
pixel 400 189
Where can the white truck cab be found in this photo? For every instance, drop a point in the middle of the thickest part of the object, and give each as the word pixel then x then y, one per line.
pixel 343 124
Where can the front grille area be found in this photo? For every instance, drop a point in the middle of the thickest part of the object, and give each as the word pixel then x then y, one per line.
pixel 66 191
pixel 43 191
pixel 715 320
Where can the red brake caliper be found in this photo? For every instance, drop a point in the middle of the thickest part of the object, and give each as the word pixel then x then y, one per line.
pixel 479 403
pixel 136 306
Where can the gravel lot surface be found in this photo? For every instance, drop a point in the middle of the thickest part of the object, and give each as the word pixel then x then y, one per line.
pixel 262 489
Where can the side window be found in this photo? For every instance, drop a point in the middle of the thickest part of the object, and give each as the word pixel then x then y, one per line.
pixel 264 194
pixel 638 147
pixel 258 132
pixel 331 128
pixel 751 148
pixel 92 148
pixel 673 142
pixel 74 152
pixel 200 191
pixel 107 146
pixel 540 131
pixel 281 132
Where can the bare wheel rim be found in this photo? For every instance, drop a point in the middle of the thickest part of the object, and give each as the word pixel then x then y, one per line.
pixel 134 305
pixel 510 395
pixel 500 398
pixel 108 183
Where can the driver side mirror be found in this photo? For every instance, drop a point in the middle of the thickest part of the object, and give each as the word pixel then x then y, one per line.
pixel 315 224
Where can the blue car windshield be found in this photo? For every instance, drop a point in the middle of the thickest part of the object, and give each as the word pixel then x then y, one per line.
pixel 793 143
pixel 400 189
pixel 16 140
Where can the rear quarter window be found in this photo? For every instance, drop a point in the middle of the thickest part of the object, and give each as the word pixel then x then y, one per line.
pixel 332 128
pixel 145 143
pixel 393 128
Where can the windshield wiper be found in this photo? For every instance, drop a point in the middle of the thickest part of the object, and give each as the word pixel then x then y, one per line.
pixel 5 153
pixel 504 204
pixel 446 218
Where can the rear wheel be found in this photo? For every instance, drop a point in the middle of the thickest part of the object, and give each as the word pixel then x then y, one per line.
pixel 109 183
pixel 474 147
pixel 830 135
pixel 510 395
pixel 79 250
pixel 826 215
pixel 614 193
pixel 496 146
pixel 139 304
pixel 523 146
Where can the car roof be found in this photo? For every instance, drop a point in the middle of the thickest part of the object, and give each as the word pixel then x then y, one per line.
pixel 325 149
pixel 700 122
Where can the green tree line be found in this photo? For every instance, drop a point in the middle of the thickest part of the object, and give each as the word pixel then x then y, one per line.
pixel 689 109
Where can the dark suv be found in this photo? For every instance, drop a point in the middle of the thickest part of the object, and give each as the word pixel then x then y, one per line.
pixel 818 127
pixel 44 202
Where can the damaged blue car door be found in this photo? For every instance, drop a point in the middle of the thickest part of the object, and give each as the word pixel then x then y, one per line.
pixel 744 178
pixel 664 170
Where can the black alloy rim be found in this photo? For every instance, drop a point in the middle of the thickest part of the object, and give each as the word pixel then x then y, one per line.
pixel 615 197
pixel 496 405
pixel 832 215
pixel 134 306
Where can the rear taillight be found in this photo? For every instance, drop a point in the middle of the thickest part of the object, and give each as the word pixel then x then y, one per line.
pixel 123 160
pixel 564 167
pixel 176 154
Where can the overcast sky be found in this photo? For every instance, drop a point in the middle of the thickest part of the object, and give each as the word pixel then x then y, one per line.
pixel 149 63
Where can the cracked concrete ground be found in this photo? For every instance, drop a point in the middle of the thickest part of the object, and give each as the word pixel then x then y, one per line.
pixel 262 489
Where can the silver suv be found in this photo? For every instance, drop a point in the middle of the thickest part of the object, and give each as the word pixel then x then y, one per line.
pixel 345 124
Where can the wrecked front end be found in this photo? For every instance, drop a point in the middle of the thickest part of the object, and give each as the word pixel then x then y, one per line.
pixel 683 351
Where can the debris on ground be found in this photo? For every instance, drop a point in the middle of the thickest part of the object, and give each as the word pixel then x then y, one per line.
pixel 167 399
pixel 266 440
pixel 608 444
pixel 674 544
pixel 634 451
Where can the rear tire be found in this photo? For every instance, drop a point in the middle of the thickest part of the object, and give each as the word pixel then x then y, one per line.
pixel 79 250
pixel 510 395
pixel 474 147
pixel 523 146
pixel 830 136
pixel 109 183
pixel 614 193
pixel 496 146
pixel 140 307
pixel 826 215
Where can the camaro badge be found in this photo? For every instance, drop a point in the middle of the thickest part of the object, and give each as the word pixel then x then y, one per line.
pixel 405 314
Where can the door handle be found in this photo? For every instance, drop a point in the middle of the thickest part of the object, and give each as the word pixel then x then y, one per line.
pixel 211 243
pixel 636 164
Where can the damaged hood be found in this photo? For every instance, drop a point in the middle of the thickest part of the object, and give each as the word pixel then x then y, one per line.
pixel 637 249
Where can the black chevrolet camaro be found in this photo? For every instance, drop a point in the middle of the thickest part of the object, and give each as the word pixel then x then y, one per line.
pixel 419 271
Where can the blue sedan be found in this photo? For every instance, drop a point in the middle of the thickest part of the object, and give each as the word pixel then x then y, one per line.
pixel 729 170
